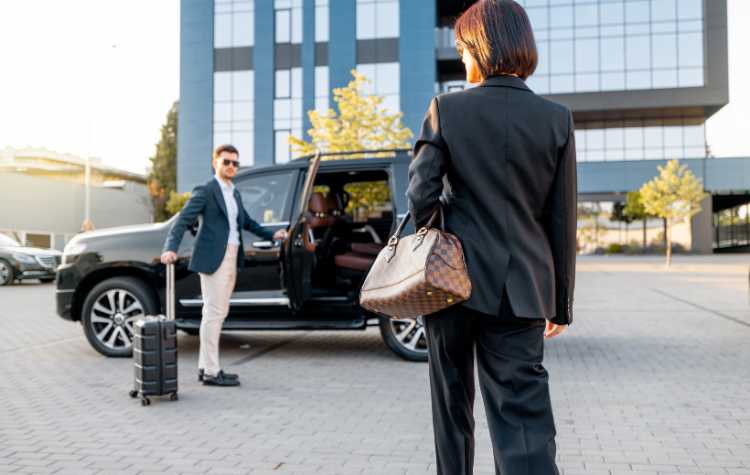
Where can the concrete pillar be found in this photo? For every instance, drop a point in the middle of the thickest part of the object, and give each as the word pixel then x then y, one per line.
pixel 417 58
pixel 702 228
pixel 263 61
pixel 195 136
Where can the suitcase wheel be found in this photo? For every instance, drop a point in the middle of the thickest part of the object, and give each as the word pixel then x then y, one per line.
pixel 133 393
pixel 174 397
pixel 145 401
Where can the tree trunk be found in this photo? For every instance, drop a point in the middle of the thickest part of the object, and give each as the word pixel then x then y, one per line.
pixel 644 234
pixel 668 235
pixel 664 225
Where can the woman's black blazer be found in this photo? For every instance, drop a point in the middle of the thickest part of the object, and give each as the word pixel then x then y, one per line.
pixel 510 162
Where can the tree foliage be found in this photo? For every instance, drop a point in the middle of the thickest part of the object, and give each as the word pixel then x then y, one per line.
pixel 361 123
pixel 162 177
pixel 674 195
pixel 634 209
pixel 176 202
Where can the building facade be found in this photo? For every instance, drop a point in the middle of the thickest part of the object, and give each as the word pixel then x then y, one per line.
pixel 641 76
pixel 44 193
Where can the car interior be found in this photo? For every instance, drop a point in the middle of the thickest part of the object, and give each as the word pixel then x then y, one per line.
pixel 348 220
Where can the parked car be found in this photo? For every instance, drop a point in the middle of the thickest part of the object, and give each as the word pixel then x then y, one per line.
pixel 23 263
pixel 339 214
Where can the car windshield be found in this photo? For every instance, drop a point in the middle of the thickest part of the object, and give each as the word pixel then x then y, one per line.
pixel 8 241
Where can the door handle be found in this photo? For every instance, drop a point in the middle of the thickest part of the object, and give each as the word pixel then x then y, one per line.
pixel 262 244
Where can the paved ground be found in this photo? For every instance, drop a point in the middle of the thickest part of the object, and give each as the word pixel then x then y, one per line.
pixel 653 378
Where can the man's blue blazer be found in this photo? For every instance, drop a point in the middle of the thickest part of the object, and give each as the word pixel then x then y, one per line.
pixel 211 241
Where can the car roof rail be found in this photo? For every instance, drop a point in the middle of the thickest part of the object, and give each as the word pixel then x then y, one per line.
pixel 372 152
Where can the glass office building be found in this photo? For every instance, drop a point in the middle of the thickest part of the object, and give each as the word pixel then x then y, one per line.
pixel 641 76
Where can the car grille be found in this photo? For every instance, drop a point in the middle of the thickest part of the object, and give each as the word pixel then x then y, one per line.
pixel 50 262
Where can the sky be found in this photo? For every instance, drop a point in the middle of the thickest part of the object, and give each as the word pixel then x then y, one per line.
pixel 88 77
pixel 97 77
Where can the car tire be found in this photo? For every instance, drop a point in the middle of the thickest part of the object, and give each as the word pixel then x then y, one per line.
pixel 110 311
pixel 47 280
pixel 405 337
pixel 6 273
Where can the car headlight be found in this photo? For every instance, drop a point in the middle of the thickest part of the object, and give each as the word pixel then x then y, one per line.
pixel 72 249
pixel 25 258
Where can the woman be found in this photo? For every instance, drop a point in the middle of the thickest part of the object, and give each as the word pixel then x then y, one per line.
pixel 509 159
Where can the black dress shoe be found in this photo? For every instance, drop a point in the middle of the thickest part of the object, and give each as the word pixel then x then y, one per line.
pixel 201 372
pixel 219 380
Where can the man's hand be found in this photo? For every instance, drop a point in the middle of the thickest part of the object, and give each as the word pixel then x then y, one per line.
pixel 169 257
pixel 280 235
pixel 553 329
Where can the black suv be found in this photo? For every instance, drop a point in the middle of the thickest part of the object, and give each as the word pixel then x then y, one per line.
pixel 339 212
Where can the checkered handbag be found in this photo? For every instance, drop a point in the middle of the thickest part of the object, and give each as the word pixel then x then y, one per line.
pixel 418 274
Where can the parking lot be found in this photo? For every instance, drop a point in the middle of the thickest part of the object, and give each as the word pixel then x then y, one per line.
pixel 652 378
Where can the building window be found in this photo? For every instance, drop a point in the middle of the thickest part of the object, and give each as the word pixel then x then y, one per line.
pixel 383 81
pixel 322 23
pixel 234 36
pixel 234 112
pixel 377 49
pixel 287 104
pixel 377 19
pixel 287 111
pixel 648 139
pixel 234 23
pixel 322 90
pixel 611 45
pixel 288 21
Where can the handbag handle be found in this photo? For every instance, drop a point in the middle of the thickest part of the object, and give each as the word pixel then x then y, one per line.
pixel 393 241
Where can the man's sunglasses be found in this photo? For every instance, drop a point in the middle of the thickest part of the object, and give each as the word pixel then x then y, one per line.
pixel 234 163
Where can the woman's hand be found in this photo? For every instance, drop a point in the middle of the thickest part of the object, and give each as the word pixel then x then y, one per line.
pixel 553 330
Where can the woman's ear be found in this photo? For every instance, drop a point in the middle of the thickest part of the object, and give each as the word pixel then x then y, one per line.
pixel 473 74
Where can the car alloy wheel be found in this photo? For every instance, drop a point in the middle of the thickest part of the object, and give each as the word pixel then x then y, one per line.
pixel 406 337
pixel 112 318
pixel 6 273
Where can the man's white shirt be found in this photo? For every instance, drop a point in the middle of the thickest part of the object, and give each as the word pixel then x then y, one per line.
pixel 227 189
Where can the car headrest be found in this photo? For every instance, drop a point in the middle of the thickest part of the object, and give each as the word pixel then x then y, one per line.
pixel 332 204
pixel 318 203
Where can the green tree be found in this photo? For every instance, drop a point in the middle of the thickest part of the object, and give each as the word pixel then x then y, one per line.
pixel 162 176
pixel 674 196
pixel 618 215
pixel 176 202
pixel 634 210
pixel 361 123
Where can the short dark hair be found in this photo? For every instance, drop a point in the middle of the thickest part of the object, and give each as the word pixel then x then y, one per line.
pixel 499 37
pixel 225 148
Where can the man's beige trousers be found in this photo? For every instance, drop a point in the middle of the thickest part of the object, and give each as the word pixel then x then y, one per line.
pixel 217 289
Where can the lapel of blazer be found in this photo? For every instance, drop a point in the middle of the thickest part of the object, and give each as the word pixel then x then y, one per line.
pixel 219 197
pixel 240 214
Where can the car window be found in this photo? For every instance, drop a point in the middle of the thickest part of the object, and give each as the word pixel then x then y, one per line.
pixel 266 196
pixel 368 200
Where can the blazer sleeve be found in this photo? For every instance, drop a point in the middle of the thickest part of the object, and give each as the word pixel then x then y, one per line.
pixel 428 167
pixel 251 225
pixel 194 207
pixel 562 225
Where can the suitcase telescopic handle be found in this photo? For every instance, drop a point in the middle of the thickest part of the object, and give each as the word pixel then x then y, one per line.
pixel 170 292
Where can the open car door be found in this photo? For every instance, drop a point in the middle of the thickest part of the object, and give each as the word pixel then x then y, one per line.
pixel 299 253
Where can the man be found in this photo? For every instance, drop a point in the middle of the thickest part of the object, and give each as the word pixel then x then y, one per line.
pixel 217 253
